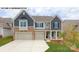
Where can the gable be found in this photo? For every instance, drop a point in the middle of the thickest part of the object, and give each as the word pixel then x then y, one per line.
pixel 56 19
pixel 23 16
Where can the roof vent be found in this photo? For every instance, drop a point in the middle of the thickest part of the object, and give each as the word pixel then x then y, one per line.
pixel 23 13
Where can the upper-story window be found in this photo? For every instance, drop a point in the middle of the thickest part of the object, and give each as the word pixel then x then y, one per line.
pixel 56 25
pixel 23 24
pixel 39 25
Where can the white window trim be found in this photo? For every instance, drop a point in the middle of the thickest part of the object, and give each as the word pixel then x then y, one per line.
pixel 23 28
pixel 40 27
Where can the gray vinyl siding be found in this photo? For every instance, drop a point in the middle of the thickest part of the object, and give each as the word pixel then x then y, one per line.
pixel 23 17
pixel 56 19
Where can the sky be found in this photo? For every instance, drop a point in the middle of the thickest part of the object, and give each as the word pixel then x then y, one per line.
pixel 62 12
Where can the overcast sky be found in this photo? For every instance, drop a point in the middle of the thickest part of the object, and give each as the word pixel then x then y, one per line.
pixel 64 13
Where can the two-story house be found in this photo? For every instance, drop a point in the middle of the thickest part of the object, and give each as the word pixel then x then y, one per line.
pixel 29 27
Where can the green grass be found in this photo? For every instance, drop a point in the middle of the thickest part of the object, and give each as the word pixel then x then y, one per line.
pixel 5 40
pixel 56 47
pixel 77 44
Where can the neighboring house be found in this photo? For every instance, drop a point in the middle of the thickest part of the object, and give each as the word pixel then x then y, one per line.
pixel 36 27
pixel 69 24
pixel 5 27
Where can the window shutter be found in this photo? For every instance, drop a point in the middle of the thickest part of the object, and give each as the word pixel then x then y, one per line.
pixel 58 24
pixel 53 25
pixel 41 24
pixel 35 24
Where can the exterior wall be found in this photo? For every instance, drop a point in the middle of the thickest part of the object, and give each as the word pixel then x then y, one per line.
pixel 30 22
pixel 56 19
pixel 21 16
pixel 7 32
pixel 24 16
pixel 30 28
pixel 47 25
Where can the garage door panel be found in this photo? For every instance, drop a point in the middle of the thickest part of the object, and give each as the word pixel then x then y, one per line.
pixel 39 35
pixel 23 35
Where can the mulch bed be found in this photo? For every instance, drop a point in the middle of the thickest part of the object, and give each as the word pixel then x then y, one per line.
pixel 75 49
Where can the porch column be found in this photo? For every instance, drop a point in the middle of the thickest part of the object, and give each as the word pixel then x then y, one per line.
pixel 50 35
pixel 45 35
pixel 56 35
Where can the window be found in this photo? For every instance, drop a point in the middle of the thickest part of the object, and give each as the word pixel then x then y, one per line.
pixel 39 25
pixel 56 25
pixel 23 24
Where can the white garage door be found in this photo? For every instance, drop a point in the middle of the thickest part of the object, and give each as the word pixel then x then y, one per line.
pixel 23 35
pixel 39 35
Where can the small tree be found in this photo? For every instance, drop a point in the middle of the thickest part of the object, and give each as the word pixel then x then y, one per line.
pixel 62 35
pixel 72 37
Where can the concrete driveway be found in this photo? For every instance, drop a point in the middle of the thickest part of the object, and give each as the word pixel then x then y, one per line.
pixel 25 46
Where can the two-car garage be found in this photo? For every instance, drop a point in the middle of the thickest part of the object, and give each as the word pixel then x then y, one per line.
pixel 23 35
pixel 29 36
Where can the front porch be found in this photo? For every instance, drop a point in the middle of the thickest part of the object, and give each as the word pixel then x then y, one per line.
pixel 53 35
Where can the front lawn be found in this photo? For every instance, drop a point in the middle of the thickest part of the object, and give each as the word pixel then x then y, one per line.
pixel 57 47
pixel 5 40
